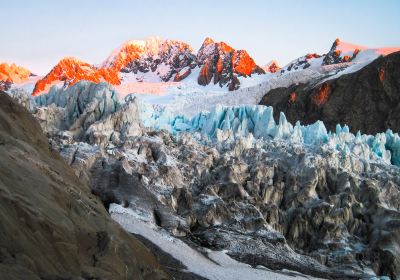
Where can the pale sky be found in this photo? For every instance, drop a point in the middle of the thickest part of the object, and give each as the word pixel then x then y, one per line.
pixel 37 34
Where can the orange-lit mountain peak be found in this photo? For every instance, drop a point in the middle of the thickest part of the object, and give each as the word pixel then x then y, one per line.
pixel 272 66
pixel 67 72
pixel 224 47
pixel 208 41
pixel 225 64
pixel 136 49
pixel 13 73
pixel 71 59
pixel 346 47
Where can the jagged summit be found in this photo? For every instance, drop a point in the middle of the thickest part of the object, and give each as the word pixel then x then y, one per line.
pixel 272 66
pixel 340 56
pixel 137 65
pixel 224 64
pixel 13 74
pixel 342 52
pixel 157 60
pixel 67 72
pixel 134 49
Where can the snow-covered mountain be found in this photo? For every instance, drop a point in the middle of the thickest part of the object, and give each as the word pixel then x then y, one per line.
pixel 224 64
pixel 342 57
pixel 154 61
pixel 67 72
pixel 159 66
pixel 12 74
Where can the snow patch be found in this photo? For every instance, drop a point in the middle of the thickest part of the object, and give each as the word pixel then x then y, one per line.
pixel 218 265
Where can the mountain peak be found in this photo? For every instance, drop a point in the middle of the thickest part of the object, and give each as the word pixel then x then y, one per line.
pixel 13 72
pixel 208 41
pixel 342 52
pixel 272 66
pixel 68 71
pixel 156 60
pixel 134 49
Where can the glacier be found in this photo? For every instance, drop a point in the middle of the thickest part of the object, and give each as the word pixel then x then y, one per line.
pixel 225 123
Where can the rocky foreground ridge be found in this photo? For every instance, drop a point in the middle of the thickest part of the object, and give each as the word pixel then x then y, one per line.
pixel 52 227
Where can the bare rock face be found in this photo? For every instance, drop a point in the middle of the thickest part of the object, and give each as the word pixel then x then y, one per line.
pixel 223 63
pixel 334 55
pixel 52 226
pixel 5 85
pixel 182 74
pixel 366 100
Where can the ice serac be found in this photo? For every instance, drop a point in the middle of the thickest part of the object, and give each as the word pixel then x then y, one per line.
pixel 268 200
pixel 236 179
pixel 224 64
pixel 77 107
pixel 229 123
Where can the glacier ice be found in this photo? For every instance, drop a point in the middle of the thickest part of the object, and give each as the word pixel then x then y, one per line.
pixel 228 123
pixel 103 97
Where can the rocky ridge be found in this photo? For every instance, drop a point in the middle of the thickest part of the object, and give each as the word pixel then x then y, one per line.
pixel 52 226
pixel 366 100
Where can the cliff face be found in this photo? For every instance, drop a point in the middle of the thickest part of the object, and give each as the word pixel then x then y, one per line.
pixel 225 64
pixel 367 100
pixel 52 227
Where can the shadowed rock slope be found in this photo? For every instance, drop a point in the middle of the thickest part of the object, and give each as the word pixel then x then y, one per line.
pixel 367 100
pixel 51 226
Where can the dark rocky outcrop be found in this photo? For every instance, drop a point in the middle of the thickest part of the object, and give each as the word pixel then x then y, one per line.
pixel 225 64
pixel 367 100
pixel 5 85
pixel 335 56
pixel 52 227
